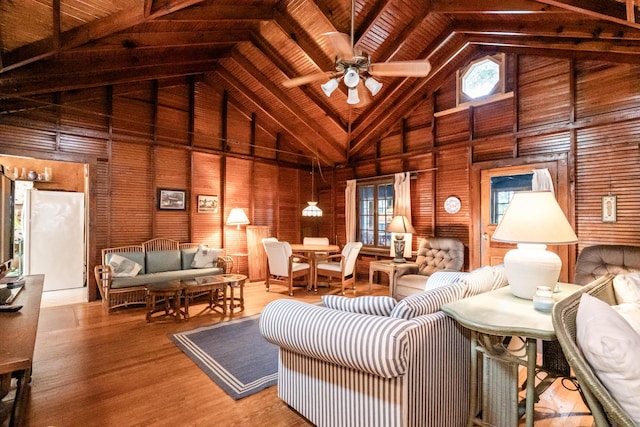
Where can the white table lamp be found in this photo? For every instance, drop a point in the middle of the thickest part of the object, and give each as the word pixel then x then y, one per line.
pixel 400 225
pixel 533 219
pixel 237 217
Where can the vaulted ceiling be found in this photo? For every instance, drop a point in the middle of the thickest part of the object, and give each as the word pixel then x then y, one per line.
pixel 250 47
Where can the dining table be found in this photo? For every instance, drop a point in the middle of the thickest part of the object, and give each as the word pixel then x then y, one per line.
pixel 311 252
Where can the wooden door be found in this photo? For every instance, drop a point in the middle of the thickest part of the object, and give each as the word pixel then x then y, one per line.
pixel 492 253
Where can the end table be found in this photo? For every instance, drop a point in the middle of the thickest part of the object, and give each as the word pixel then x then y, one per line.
pixel 385 266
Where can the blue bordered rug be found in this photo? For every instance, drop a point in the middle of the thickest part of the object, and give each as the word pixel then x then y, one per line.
pixel 233 354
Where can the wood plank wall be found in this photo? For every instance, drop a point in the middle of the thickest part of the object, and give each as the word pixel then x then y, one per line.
pixel 190 134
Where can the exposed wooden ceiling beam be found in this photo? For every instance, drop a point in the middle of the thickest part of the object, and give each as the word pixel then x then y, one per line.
pixel 287 104
pixel 67 74
pixel 490 6
pixel 608 10
pixel 281 63
pixel 240 91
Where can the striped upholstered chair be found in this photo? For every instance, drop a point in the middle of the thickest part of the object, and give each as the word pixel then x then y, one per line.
pixel 375 362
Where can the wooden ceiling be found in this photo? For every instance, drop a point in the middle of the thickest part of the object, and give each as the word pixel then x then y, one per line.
pixel 249 47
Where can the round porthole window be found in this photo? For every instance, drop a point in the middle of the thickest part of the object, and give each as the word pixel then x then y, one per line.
pixel 452 205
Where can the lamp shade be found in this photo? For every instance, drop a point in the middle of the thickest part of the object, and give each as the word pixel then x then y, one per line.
pixel 400 224
pixel 534 217
pixel 237 217
pixel 312 210
pixel 329 86
pixel 533 220
pixel 373 85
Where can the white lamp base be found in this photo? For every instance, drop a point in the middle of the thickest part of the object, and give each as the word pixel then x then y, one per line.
pixel 530 266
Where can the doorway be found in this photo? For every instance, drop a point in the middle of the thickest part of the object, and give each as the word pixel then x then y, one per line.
pixel 497 185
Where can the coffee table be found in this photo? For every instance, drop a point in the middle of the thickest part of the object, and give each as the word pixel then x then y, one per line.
pixel 205 284
pixel 232 282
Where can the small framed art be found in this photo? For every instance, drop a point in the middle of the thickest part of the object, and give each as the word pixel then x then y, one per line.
pixel 207 204
pixel 609 209
pixel 172 199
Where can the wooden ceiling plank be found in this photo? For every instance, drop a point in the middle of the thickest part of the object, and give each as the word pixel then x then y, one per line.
pixel 55 11
pixel 289 105
pixel 631 13
pixel 214 12
pixel 607 10
pixel 242 91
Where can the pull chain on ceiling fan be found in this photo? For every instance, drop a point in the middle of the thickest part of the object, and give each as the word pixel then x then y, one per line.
pixel 353 66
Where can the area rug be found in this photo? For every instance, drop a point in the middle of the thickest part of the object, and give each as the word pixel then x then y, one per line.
pixel 233 354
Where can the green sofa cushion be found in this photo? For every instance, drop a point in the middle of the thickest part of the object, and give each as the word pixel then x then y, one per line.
pixel 159 261
pixel 165 276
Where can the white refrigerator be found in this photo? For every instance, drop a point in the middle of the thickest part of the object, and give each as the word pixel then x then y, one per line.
pixel 53 224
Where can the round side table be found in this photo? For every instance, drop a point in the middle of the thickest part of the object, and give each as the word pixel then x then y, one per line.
pixel 164 297
pixel 234 281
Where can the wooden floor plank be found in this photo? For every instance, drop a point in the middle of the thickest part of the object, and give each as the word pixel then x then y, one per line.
pixel 94 368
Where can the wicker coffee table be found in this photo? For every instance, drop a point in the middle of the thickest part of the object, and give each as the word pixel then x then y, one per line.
pixel 206 284
pixel 233 282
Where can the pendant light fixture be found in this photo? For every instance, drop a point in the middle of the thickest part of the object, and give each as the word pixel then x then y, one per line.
pixel 312 209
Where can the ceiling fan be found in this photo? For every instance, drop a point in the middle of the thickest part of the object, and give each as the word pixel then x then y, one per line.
pixel 354 66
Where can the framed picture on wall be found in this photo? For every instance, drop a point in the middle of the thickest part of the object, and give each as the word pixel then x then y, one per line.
pixel 172 199
pixel 207 204
pixel 609 209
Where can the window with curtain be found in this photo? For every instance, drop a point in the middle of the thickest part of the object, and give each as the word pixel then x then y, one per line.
pixel 502 189
pixel 375 211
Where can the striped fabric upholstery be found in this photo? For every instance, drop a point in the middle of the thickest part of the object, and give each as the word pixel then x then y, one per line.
pixel 427 302
pixel 374 305
pixel 347 369
pixel 443 278
pixel 300 327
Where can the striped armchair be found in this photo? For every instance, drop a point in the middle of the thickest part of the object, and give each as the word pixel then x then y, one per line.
pixel 342 368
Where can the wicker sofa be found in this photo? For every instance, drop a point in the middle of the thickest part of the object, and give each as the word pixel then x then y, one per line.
pixel 161 260
pixel 352 368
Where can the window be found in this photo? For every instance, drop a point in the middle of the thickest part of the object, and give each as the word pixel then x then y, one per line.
pixel 481 79
pixel 502 189
pixel 375 211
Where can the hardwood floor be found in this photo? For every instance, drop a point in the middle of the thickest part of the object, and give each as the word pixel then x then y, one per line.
pixel 97 369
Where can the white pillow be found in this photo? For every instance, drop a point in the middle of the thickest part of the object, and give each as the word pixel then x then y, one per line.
pixel 205 257
pixel 374 305
pixel 627 287
pixel 631 313
pixel 611 347
pixel 123 267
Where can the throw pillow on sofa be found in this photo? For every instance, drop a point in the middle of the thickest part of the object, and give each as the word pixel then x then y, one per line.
pixel 427 302
pixel 123 267
pixel 611 347
pixel 373 305
pixel 205 257
pixel 627 287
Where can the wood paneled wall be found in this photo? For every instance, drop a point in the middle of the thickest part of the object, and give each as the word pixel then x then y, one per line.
pixel 186 134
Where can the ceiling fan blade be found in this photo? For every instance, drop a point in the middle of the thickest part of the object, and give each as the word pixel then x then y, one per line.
pixel 341 45
pixel 400 68
pixel 303 80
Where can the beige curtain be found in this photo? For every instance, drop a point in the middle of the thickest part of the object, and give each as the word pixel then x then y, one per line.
pixel 402 206
pixel 541 180
pixel 350 210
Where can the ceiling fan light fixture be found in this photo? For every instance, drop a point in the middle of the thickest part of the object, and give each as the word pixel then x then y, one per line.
pixel 353 97
pixel 351 78
pixel 329 86
pixel 373 85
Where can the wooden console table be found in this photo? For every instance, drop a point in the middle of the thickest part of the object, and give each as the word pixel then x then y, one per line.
pixel 18 338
